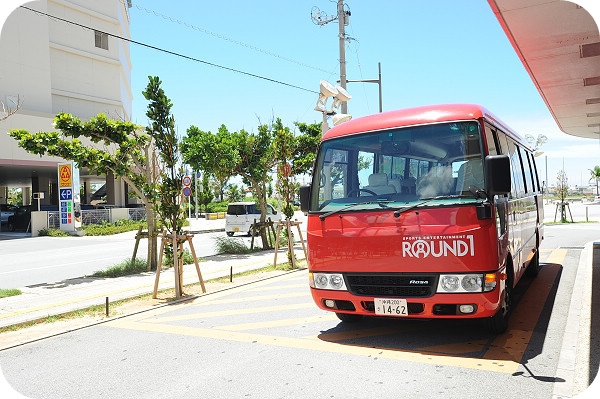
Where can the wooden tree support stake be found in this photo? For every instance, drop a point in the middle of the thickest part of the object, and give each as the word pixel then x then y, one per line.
pixel 288 224
pixel 178 263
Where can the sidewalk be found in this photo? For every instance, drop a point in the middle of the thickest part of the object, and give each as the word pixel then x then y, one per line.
pixel 54 298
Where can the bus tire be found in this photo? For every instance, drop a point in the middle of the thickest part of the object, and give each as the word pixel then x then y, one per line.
pixel 349 318
pixel 533 269
pixel 498 323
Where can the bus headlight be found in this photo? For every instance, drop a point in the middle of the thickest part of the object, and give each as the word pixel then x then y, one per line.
pixel 327 281
pixel 462 283
pixel 449 283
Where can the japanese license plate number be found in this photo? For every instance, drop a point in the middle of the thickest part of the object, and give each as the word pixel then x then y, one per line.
pixel 391 307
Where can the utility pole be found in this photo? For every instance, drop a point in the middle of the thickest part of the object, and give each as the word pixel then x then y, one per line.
pixel 320 18
pixel 342 23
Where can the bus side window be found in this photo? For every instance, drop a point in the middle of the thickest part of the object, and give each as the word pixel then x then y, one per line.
pixel 517 171
pixel 533 170
pixel 526 170
pixel 491 141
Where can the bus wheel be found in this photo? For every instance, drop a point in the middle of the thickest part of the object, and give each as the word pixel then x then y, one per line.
pixel 348 318
pixel 533 269
pixel 498 323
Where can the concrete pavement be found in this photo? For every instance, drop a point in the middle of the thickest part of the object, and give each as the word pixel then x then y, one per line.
pixel 577 355
pixel 54 298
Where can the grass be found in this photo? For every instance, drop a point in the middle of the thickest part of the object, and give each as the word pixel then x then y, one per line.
pixel 4 293
pixel 124 268
pixel 233 246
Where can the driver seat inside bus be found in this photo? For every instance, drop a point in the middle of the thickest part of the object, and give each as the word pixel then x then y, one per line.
pixel 378 183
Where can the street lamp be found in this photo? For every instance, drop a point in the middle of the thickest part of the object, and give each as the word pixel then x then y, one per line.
pixel 339 95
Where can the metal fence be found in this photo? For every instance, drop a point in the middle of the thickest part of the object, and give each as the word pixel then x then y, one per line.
pixel 137 213
pixel 95 216
pixel 53 220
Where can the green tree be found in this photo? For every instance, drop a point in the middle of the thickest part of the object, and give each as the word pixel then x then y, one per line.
pixel 562 190
pixel 305 147
pixel 284 146
pixel 169 206
pixel 595 175
pixel 234 193
pixel 206 195
pixel 212 153
pixel 238 153
pixel 123 149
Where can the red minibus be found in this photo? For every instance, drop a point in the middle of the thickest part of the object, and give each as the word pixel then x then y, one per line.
pixel 428 212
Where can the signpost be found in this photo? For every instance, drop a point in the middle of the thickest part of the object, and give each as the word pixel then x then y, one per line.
pixel 68 196
pixel 187 191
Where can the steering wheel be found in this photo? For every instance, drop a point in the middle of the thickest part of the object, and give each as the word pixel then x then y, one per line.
pixel 357 191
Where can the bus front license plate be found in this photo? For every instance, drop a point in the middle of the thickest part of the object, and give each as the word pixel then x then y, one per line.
pixel 236 229
pixel 391 307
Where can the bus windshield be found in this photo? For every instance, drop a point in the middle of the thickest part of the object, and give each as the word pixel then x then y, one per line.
pixel 434 164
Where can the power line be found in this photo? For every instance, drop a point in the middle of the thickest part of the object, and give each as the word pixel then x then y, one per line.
pixel 187 57
pixel 226 38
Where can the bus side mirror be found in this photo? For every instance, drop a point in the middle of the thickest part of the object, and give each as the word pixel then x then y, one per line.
pixel 497 175
pixel 304 198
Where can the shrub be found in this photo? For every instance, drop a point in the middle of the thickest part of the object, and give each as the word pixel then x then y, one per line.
pixel 9 292
pixel 124 268
pixel 53 233
pixel 119 226
pixel 231 246
pixel 168 256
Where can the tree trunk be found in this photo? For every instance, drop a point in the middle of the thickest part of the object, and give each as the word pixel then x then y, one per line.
pixel 152 239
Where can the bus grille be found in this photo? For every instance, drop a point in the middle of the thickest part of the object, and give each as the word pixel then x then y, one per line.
pixel 392 285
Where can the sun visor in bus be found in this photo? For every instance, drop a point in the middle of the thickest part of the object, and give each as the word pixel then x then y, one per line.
pixel 399 148
pixel 497 174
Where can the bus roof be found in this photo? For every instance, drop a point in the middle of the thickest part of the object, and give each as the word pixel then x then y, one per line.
pixel 418 116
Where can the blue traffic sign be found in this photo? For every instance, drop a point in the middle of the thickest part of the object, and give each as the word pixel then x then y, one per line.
pixel 66 194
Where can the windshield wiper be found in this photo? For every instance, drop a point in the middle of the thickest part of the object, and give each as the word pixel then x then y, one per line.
pixel 381 203
pixel 397 212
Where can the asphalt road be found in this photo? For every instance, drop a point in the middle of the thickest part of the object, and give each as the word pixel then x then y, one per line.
pixel 268 340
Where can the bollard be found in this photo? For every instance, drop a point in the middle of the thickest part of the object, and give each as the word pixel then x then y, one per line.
pixel 231 274
pixel 106 306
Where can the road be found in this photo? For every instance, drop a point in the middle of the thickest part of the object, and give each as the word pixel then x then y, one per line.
pixel 39 260
pixel 30 261
pixel 268 340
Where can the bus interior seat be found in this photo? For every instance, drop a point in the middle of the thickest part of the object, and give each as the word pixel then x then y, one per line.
pixel 397 183
pixel 409 185
pixel 378 183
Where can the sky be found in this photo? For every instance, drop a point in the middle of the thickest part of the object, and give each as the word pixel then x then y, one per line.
pixel 243 64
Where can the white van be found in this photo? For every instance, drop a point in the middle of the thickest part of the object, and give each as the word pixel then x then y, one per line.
pixel 241 215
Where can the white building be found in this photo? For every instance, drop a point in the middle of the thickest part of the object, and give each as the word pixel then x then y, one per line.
pixel 62 58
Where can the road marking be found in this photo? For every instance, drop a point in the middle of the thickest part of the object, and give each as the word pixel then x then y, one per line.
pixel 231 312
pixel 319 345
pixel 278 323
pixel 513 343
pixel 503 353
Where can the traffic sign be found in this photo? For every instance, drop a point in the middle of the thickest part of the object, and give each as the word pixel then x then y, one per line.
pixel 186 181
pixel 187 191
pixel 66 194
